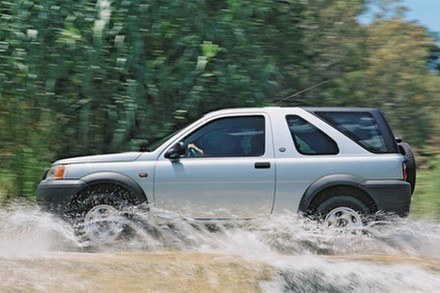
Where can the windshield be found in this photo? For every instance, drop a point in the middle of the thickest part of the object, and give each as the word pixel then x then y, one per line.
pixel 152 147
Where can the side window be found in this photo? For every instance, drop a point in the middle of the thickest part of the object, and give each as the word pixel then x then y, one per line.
pixel 228 137
pixel 360 127
pixel 308 139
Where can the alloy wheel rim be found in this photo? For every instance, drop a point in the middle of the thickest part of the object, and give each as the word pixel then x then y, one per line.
pixel 343 218
pixel 103 224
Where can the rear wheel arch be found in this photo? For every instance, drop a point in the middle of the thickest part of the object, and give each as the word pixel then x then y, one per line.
pixel 333 186
pixel 342 191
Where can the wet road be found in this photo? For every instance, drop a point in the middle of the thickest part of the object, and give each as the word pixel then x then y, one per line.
pixel 39 253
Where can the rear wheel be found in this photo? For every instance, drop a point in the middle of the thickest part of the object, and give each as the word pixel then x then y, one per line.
pixel 344 212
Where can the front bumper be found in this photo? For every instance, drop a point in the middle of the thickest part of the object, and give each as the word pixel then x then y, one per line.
pixel 55 195
pixel 390 196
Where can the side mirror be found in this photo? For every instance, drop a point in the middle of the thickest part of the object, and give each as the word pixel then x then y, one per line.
pixel 176 151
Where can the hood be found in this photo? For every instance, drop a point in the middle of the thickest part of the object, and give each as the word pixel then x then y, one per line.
pixel 121 157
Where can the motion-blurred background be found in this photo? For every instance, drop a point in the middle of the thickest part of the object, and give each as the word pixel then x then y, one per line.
pixel 83 77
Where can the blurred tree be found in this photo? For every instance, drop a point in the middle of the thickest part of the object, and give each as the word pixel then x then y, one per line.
pixel 395 77
pixel 398 76
pixel 434 63
pixel 84 77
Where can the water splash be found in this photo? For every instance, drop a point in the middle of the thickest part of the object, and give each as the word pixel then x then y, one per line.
pixel 25 231
pixel 392 255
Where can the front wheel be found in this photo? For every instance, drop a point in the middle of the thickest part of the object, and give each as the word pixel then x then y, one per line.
pixel 342 212
pixel 100 219
pixel 103 224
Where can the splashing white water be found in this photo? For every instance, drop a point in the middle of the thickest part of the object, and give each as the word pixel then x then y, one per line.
pixel 26 231
pixel 305 257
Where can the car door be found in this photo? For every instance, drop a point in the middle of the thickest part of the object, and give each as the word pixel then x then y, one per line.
pixel 231 174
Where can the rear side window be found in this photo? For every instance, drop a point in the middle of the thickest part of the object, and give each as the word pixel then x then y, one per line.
pixel 308 139
pixel 360 127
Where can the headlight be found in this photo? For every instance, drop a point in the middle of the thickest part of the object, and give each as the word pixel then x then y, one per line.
pixel 56 172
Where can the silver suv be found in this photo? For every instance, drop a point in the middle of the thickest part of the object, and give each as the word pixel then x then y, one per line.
pixel 334 164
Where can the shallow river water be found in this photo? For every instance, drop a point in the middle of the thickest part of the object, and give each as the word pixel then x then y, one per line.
pixel 165 253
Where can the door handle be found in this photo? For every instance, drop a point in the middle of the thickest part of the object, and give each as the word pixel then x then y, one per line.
pixel 262 165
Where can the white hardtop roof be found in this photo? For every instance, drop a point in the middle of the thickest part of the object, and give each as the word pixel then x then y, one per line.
pixel 284 109
pixel 249 110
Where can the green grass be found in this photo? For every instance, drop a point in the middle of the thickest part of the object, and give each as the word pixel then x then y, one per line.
pixel 5 186
pixel 426 199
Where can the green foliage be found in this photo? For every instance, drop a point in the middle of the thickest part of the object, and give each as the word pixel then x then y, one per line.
pixel 85 77
pixel 426 202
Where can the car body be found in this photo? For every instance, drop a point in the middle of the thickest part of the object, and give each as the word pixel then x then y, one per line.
pixel 293 159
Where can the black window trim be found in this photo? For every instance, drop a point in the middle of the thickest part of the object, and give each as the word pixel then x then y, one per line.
pixel 320 130
pixel 226 117
pixel 350 135
pixel 388 135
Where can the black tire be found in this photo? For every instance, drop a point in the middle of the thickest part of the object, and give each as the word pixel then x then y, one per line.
pixel 356 210
pixel 410 164
pixel 107 200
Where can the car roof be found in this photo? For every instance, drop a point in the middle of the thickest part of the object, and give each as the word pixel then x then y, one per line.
pixel 339 109
pixel 275 109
